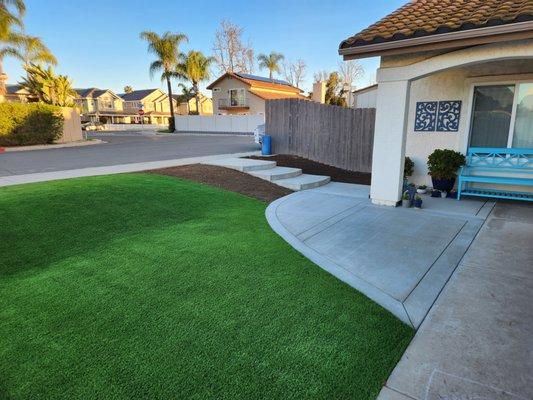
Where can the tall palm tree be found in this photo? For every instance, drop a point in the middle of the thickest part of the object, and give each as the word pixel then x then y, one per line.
pixel 34 51
pixel 11 13
pixel 194 67
pixel 272 62
pixel 166 49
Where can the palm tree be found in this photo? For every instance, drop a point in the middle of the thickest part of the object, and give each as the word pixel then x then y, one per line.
pixel 270 62
pixel 128 89
pixel 195 68
pixel 48 87
pixel 11 13
pixel 34 51
pixel 166 48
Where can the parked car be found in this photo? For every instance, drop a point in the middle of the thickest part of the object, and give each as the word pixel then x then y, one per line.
pixel 259 132
pixel 92 126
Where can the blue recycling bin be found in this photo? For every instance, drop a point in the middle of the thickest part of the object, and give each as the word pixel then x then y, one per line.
pixel 266 146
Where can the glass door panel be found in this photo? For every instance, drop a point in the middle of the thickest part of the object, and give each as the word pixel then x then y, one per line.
pixel 491 116
pixel 523 127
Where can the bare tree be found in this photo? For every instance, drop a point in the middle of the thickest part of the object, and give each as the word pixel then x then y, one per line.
pixel 231 54
pixel 321 76
pixel 350 71
pixel 294 72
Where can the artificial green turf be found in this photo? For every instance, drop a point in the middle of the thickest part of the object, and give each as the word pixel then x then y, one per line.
pixel 146 286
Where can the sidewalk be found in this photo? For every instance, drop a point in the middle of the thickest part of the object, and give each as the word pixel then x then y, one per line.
pixel 477 340
pixel 111 169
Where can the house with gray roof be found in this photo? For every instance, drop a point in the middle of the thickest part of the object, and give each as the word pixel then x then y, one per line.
pixel 103 105
pixel 153 102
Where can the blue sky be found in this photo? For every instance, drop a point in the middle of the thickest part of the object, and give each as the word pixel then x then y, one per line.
pixel 97 42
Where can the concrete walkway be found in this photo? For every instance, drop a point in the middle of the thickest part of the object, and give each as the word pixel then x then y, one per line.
pixel 477 340
pixel 400 258
pixel 290 178
pixel 110 169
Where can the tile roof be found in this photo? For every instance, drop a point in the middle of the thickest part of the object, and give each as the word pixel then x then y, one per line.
pixel 259 82
pixel 90 92
pixel 137 94
pixel 432 17
pixel 13 88
pixel 265 95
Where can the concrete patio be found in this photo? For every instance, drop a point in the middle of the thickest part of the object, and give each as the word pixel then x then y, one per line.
pixel 400 258
pixel 477 339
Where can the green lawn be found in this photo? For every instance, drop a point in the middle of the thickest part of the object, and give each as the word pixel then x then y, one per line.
pixel 146 286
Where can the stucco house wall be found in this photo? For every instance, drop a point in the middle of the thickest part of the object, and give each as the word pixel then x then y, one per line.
pixel 451 84
pixel 221 91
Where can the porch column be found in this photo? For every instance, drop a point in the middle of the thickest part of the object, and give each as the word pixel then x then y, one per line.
pixel 389 142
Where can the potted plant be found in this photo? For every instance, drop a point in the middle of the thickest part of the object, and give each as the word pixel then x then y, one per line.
pixel 442 166
pixel 408 167
pixel 422 189
pixel 418 201
pixel 406 202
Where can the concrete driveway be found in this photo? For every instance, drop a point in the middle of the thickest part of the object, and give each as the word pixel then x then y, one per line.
pixel 123 148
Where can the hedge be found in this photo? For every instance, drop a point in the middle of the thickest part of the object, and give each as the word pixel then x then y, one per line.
pixel 29 123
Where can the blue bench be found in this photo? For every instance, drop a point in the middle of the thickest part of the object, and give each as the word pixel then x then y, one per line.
pixel 499 166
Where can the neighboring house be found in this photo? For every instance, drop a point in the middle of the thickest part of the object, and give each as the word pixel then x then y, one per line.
pixel 453 74
pixel 365 97
pixel 103 105
pixel 17 94
pixel 154 103
pixel 236 93
pixel 187 104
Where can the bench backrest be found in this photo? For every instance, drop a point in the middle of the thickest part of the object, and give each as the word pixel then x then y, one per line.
pixel 501 158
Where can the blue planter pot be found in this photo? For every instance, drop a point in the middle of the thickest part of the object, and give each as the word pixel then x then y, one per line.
pixel 444 185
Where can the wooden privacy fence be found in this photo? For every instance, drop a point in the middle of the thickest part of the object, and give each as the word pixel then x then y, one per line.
pixel 337 136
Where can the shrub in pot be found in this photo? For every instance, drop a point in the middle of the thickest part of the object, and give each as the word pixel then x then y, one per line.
pixel 418 202
pixel 408 167
pixel 406 201
pixel 407 171
pixel 442 166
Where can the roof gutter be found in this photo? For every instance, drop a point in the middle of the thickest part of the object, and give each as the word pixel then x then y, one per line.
pixel 452 39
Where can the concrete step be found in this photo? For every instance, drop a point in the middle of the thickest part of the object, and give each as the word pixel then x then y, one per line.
pixel 303 182
pixel 242 164
pixel 277 173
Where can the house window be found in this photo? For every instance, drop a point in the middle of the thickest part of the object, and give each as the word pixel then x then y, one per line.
pixel 236 97
pixel 502 116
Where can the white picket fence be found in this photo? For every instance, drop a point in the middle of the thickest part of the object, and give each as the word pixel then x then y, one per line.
pixel 231 124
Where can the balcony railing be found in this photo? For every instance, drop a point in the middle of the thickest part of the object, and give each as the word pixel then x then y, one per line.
pixel 233 103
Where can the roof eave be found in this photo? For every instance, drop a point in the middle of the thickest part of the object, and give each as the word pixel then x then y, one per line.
pixel 514 31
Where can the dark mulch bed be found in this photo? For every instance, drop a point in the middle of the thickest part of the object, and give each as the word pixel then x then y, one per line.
pixel 316 168
pixel 228 179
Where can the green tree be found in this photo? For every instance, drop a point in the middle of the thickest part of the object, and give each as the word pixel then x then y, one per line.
pixel 194 67
pixel 334 90
pixel 48 87
pixel 272 62
pixel 128 89
pixel 11 13
pixel 34 51
pixel 15 43
pixel 166 49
